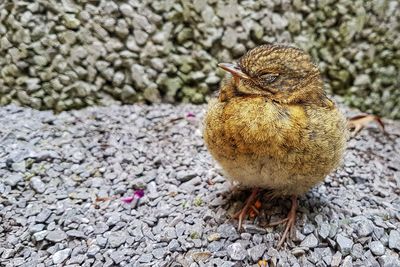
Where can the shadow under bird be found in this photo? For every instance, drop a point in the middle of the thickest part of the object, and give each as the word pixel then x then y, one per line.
pixel 272 126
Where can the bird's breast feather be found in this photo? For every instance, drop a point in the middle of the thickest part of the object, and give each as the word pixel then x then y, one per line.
pixel 255 126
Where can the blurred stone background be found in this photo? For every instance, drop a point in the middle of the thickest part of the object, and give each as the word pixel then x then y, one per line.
pixel 69 54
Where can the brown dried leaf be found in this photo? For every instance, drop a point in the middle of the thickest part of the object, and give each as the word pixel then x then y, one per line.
pixel 357 123
pixel 102 199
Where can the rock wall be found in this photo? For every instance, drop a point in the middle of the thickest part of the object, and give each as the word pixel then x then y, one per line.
pixel 69 54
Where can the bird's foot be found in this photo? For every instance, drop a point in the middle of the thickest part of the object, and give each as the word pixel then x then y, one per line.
pixel 357 123
pixel 290 221
pixel 248 206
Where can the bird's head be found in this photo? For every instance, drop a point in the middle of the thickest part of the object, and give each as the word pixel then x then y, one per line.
pixel 281 73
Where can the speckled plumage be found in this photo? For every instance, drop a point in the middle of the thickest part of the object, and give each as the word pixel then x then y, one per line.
pixel 275 129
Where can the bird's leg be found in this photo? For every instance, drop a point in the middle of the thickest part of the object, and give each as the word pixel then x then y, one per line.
pixel 357 123
pixel 290 221
pixel 249 202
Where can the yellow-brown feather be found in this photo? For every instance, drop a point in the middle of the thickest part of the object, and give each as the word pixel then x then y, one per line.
pixel 286 147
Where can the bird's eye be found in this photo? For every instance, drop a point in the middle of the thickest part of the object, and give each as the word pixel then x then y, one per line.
pixel 268 77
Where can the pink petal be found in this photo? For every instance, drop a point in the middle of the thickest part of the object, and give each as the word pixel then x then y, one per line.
pixel 190 115
pixel 138 193
pixel 127 200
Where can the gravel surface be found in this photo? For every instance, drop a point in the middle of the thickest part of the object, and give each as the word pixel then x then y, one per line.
pixel 63 177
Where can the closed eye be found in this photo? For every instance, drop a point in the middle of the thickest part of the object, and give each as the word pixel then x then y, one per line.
pixel 268 78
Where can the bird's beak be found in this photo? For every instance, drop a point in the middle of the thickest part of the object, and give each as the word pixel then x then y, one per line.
pixel 234 70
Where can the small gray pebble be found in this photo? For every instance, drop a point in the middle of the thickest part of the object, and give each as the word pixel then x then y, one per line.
pixel 37 185
pixel 43 215
pixel 254 229
pixel 159 253
pixel 364 227
pixel 39 236
pixel 116 239
pixel 173 245
pixel 215 246
pixel 145 258
pixel 336 259
pixel 56 236
pixel 347 262
pixel 323 230
pixel 228 231
pixel 184 176
pixel 377 248
pixel 357 251
pixel 389 261
pixel 394 240
pixel 101 241
pixel 36 228
pixel 345 244
pixel 75 233
pixel 310 241
pixel 113 218
pixel 14 179
pixel 19 166
pixel 117 256
pixel 93 250
pixel 100 228
pixel 236 252
pixel 61 255
pixel 308 228
pixel 256 252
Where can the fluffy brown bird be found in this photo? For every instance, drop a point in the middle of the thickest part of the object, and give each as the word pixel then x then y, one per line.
pixel 273 126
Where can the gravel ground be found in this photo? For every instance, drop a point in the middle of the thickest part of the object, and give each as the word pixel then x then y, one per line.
pixel 63 177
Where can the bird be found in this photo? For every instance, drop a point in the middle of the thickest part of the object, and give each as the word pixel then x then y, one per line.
pixel 272 126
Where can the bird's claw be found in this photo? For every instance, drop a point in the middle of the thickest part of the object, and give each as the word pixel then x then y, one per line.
pixel 249 205
pixel 290 222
